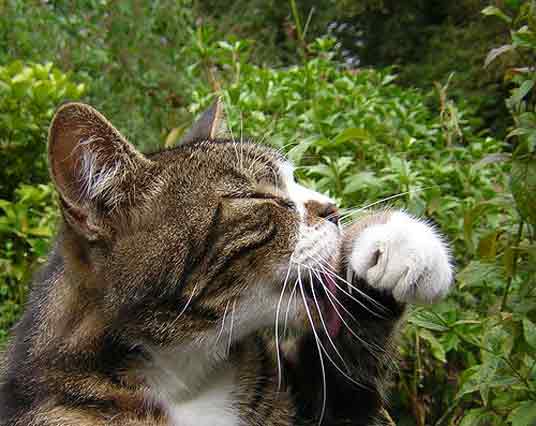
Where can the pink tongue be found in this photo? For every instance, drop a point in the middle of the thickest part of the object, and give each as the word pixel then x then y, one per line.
pixel 332 317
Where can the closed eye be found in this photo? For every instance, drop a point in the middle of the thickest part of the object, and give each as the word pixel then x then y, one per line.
pixel 283 202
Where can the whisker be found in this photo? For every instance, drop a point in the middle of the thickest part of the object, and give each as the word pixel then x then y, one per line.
pixel 323 322
pixel 391 197
pixel 241 141
pixel 231 329
pixel 359 338
pixel 278 355
pixel 370 346
pixel 344 291
pixel 292 294
pixel 183 310
pixel 222 323
pixel 333 274
pixel 322 367
pixel 322 346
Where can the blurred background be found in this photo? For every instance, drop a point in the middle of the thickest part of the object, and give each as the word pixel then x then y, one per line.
pixel 428 102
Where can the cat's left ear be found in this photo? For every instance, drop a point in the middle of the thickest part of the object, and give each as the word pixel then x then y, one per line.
pixel 96 172
pixel 211 125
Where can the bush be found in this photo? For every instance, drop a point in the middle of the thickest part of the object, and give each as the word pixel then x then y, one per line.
pixel 130 52
pixel 26 225
pixel 29 96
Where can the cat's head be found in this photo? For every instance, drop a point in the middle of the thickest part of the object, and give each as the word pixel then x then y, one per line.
pixel 214 233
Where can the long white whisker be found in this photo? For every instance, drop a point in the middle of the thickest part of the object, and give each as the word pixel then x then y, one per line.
pixel 222 323
pixel 333 274
pixel 342 290
pixel 183 310
pixel 231 328
pixel 391 197
pixel 322 367
pixel 328 268
pixel 278 355
pixel 292 294
pixel 370 346
pixel 323 322
pixel 319 341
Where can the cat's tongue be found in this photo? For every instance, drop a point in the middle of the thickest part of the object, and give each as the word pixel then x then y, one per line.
pixel 333 319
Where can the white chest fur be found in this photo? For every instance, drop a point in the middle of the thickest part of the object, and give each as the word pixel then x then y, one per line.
pixel 213 406
pixel 192 391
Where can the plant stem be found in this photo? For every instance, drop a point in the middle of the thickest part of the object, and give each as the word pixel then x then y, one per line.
pixel 297 20
pixel 302 46
pixel 514 266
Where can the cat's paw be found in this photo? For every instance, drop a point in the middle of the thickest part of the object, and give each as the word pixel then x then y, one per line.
pixel 402 255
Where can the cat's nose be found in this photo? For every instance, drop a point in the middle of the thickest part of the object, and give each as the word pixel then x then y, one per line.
pixel 324 210
pixel 331 213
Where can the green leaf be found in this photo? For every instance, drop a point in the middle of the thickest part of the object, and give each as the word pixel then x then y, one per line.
pixel 478 417
pixel 519 93
pixel 498 341
pixel 470 381
pixel 437 349
pixel 529 331
pixel 486 373
pixel 470 217
pixel 495 53
pixel 427 320
pixel 524 414
pixel 473 417
pixel 525 38
pixel 361 181
pixel 495 11
pixel 352 133
pixel 296 153
pixel 478 273
pixel 487 246
pixel 523 185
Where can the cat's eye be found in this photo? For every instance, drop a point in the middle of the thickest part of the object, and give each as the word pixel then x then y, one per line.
pixel 281 201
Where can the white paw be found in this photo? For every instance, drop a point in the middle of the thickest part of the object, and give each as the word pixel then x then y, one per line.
pixel 405 256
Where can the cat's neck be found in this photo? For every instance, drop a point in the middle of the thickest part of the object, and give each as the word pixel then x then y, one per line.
pixel 182 373
pixel 195 385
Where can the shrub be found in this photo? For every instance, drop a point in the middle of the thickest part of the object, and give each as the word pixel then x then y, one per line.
pixel 29 96
pixel 130 52
pixel 26 225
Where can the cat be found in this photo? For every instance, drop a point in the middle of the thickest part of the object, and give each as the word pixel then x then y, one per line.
pixel 182 286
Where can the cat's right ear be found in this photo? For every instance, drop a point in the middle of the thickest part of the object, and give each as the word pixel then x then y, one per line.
pixel 94 169
pixel 211 125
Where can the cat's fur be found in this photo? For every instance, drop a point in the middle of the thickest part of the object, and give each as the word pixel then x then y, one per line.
pixel 159 300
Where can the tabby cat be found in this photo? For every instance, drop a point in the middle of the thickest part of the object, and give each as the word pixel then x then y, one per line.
pixel 201 285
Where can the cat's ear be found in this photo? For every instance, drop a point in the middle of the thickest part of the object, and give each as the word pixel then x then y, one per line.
pixel 211 125
pixel 92 166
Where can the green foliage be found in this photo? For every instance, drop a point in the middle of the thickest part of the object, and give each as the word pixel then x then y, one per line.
pixel 129 52
pixel 28 96
pixel 26 226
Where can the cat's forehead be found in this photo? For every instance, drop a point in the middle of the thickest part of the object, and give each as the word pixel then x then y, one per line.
pixel 227 157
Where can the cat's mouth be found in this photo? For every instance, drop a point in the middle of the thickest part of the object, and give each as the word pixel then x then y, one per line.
pixel 321 291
